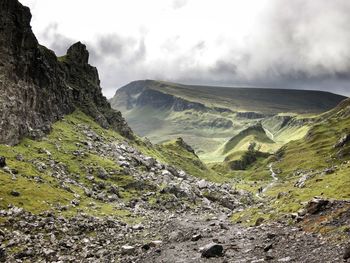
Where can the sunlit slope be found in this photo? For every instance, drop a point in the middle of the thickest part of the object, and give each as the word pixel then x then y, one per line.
pixel 316 165
pixel 208 117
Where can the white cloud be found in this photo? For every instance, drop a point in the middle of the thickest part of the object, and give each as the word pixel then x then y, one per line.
pixel 267 42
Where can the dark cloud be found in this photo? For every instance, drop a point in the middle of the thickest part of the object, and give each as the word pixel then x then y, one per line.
pixel 224 67
pixel 294 44
pixel 56 41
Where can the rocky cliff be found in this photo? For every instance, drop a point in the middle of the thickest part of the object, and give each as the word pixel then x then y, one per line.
pixel 37 88
pixel 142 93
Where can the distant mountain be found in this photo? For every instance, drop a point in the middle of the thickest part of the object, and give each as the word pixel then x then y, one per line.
pixel 263 100
pixel 208 117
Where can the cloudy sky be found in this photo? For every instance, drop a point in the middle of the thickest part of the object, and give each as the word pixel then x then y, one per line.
pixel 267 43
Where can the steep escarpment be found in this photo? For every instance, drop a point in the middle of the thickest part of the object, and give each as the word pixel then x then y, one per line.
pixel 256 100
pixel 142 93
pixel 37 88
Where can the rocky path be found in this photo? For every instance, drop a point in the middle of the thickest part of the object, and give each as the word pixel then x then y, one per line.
pixel 272 183
pixel 275 242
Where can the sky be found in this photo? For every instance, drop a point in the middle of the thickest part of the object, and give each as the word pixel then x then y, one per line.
pixel 302 44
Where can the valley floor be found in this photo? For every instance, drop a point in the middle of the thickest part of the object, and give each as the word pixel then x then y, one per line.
pixel 84 194
pixel 172 237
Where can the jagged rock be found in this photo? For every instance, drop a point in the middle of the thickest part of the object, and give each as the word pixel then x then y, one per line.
pixel 184 145
pixel 316 205
pixel 212 250
pixel 38 89
pixel 342 141
pixel 2 161
pixel 78 53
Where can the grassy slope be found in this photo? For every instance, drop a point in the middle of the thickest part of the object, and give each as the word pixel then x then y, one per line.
pixel 254 99
pixel 40 191
pixel 315 153
pixel 197 128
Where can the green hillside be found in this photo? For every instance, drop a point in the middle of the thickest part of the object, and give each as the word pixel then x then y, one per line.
pixel 209 117
pixel 316 165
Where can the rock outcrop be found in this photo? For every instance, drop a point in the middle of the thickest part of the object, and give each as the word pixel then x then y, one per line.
pixel 37 88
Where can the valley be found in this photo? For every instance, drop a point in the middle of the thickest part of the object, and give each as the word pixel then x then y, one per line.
pixel 220 122
pixel 192 174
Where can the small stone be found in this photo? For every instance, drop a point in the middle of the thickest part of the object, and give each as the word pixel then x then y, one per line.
pixel 19 157
pixel 146 247
pixel 48 252
pixel 138 227
pixel 268 247
pixel 259 221
pixel 196 237
pixel 102 174
pixel 15 193
pixel 224 226
pixel 155 243
pixel 286 259
pixel 268 258
pixel 128 250
pixel 75 202
pixel 212 250
pixel 346 253
pixel 2 161
pixel 202 184
pixel 270 235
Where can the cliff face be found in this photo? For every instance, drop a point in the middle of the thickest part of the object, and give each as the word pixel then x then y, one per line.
pixel 37 88
pixel 140 93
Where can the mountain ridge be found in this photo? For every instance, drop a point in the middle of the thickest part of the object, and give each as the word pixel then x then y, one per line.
pixel 38 88
pixel 232 97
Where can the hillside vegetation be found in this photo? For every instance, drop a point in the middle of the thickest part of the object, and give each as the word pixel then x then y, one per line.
pixel 316 165
pixel 209 118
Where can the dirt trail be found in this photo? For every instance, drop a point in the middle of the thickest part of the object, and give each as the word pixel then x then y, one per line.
pixel 275 242
pixel 272 183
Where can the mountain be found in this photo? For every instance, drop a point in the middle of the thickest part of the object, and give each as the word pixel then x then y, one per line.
pixel 208 117
pixel 262 100
pixel 77 185
pixel 38 88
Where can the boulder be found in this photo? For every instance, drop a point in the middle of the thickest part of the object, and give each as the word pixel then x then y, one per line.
pixel 316 205
pixel 212 250
pixel 2 161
